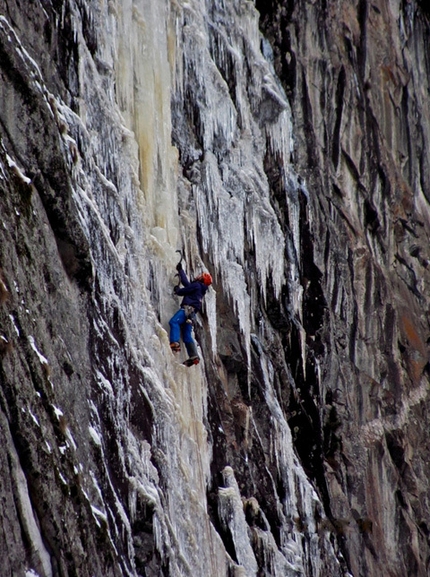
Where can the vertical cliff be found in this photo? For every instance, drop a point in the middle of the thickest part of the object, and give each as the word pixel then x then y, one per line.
pixel 357 78
pixel 283 147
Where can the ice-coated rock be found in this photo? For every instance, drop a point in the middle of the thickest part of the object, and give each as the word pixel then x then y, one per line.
pixel 287 155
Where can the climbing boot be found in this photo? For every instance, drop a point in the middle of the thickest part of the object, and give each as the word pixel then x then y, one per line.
pixel 191 361
pixel 176 347
pixel 192 353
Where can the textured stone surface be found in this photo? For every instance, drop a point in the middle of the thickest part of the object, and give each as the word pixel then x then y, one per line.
pixel 295 168
pixel 356 74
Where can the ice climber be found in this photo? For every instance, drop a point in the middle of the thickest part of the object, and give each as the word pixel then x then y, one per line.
pixel 182 322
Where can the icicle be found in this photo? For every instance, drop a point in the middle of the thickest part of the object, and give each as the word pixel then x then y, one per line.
pixel 233 517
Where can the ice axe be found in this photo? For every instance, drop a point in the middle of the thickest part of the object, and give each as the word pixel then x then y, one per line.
pixel 178 265
pixel 182 256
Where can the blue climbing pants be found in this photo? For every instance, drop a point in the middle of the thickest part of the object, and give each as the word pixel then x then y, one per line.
pixel 178 324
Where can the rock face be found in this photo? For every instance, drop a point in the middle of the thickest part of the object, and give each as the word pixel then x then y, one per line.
pixel 357 77
pixel 283 147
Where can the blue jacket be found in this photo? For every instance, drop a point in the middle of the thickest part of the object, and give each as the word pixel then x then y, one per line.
pixel 193 292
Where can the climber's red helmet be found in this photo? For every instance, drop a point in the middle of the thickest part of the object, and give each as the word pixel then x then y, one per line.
pixel 205 278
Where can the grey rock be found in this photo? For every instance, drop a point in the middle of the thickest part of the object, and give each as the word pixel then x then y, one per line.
pixel 295 168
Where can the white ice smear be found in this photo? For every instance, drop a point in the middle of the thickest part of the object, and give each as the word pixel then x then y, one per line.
pixel 43 360
pixel 12 164
pixel 95 436
pixel 99 515
pixel 35 419
pixel 58 412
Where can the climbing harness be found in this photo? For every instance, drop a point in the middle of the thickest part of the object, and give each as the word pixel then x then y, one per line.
pixel 190 313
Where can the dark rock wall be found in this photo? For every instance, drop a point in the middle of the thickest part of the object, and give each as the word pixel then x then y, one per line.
pixel 48 521
pixel 357 77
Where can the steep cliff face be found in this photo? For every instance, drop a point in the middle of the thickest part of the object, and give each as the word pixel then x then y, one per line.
pixel 294 167
pixel 356 74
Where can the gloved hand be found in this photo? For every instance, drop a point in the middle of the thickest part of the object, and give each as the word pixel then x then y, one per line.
pixel 176 288
pixel 178 266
